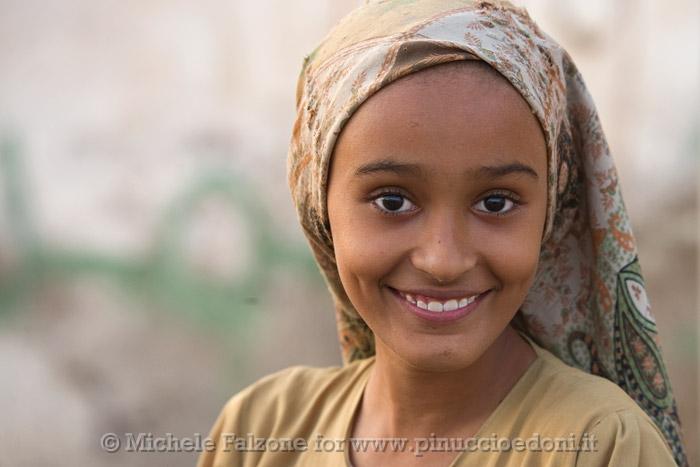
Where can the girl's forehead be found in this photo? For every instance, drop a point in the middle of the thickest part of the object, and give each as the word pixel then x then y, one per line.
pixel 450 120
pixel 461 99
pixel 458 88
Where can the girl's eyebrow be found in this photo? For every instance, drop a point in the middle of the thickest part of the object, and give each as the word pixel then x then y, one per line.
pixel 415 170
pixel 388 165
pixel 496 171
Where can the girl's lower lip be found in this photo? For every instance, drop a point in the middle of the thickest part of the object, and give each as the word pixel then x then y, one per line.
pixel 445 316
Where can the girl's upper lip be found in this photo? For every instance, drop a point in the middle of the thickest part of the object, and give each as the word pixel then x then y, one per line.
pixel 440 294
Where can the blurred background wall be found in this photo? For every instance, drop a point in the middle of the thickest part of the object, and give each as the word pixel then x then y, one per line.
pixel 150 259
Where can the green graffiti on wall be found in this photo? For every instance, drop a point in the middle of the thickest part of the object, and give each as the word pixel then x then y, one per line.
pixel 162 274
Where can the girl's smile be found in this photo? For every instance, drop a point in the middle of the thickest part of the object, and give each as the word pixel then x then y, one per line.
pixel 432 308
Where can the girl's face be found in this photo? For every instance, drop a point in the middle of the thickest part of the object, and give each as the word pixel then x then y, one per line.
pixel 437 195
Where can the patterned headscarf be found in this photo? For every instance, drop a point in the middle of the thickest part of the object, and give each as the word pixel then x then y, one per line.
pixel 588 303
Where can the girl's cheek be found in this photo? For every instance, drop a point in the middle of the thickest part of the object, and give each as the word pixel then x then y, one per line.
pixel 368 255
pixel 511 253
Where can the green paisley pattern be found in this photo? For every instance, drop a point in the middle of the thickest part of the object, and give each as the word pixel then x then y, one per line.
pixel 588 303
pixel 639 366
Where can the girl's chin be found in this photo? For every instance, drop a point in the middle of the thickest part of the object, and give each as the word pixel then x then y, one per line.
pixel 435 359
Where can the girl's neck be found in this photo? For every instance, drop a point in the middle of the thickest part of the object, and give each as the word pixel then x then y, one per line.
pixel 403 401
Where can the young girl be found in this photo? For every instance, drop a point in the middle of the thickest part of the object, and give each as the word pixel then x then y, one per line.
pixel 451 175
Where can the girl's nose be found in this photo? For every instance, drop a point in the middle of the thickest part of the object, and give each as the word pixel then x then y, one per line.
pixel 443 249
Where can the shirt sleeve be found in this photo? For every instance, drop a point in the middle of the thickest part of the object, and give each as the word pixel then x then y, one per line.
pixel 625 438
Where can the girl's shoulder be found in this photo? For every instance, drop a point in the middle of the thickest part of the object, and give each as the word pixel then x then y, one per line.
pixel 289 406
pixel 299 384
pixel 289 392
pixel 559 399
pixel 565 387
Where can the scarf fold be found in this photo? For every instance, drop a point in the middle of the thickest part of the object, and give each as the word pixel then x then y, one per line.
pixel 588 304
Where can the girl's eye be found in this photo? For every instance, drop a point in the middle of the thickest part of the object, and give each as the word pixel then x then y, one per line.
pixel 391 203
pixel 496 204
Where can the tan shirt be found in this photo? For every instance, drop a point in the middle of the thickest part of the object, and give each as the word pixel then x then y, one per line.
pixel 303 416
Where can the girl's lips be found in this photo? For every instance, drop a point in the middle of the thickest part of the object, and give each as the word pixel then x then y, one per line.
pixel 444 316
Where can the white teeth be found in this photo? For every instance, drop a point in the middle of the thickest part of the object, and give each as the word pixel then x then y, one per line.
pixel 438 307
pixel 450 305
